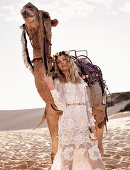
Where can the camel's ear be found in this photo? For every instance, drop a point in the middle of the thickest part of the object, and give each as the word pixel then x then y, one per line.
pixel 54 22
pixel 45 15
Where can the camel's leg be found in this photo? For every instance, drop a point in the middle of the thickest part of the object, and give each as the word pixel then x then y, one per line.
pixel 100 136
pixel 52 121
pixel 54 147
pixel 53 128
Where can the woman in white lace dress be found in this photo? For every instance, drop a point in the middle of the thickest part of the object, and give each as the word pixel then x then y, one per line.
pixel 76 149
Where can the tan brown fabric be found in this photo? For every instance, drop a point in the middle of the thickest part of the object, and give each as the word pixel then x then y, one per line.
pixel 95 95
pixel 99 113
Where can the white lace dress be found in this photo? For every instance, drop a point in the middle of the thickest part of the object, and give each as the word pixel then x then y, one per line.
pixel 76 151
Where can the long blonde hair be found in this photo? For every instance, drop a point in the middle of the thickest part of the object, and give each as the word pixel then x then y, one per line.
pixel 71 75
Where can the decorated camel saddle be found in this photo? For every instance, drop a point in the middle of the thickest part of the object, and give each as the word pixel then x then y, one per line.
pixel 92 75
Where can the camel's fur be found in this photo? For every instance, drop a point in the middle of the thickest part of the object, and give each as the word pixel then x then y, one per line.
pixel 31 17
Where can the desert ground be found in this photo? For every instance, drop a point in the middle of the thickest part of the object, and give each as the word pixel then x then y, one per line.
pixel 21 147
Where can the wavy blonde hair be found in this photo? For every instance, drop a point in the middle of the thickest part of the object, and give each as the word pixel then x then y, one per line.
pixel 71 75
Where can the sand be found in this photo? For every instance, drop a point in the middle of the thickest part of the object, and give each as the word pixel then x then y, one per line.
pixel 25 149
pixel 30 149
pixel 116 142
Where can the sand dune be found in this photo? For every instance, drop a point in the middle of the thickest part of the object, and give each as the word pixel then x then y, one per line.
pixel 117 107
pixel 30 149
pixel 21 119
pixel 30 118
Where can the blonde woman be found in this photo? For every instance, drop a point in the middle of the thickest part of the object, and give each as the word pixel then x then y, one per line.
pixel 77 149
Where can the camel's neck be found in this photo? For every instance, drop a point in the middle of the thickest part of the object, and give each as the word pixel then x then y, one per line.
pixel 33 36
pixel 32 26
pixel 40 38
pixel 38 41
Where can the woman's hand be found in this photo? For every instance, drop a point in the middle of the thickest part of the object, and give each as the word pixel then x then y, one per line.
pixel 93 134
pixel 49 81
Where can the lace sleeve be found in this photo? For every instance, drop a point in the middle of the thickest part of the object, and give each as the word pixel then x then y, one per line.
pixel 88 108
pixel 58 95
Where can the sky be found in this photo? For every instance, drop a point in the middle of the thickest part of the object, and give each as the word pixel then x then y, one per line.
pixel 101 27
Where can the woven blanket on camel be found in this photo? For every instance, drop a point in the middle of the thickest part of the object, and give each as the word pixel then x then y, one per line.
pixel 95 95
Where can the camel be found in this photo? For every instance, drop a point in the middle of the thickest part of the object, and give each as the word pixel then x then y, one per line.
pixel 38 25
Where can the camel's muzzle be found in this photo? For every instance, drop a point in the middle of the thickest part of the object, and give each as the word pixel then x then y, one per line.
pixel 24 14
pixel 27 13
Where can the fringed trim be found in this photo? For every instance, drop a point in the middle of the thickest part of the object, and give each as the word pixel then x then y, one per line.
pixel 25 54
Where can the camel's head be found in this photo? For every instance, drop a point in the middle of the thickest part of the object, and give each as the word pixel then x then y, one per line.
pixel 30 13
pixel 38 26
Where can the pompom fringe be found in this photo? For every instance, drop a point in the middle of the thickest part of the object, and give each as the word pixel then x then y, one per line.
pixel 24 50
